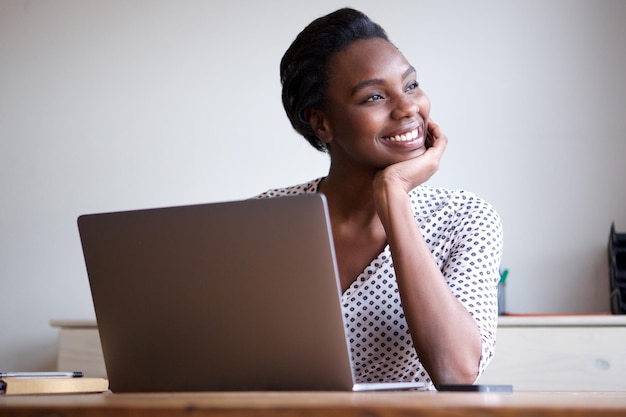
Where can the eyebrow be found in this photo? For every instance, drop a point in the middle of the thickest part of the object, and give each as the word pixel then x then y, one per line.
pixel 378 81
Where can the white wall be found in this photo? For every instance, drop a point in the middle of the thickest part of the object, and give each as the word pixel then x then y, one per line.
pixel 122 104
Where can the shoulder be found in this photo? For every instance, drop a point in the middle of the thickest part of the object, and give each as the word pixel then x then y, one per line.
pixel 454 210
pixel 309 187
pixel 427 200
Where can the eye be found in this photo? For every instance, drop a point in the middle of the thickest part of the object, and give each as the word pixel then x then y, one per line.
pixel 414 85
pixel 374 97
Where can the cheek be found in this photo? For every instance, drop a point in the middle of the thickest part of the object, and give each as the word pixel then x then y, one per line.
pixel 357 123
pixel 424 106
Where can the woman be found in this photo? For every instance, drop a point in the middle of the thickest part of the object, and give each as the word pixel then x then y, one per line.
pixel 418 265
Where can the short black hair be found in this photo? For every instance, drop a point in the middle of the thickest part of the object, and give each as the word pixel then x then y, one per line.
pixel 303 68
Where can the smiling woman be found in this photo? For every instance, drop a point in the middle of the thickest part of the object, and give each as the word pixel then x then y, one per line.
pixel 418 265
pixel 372 92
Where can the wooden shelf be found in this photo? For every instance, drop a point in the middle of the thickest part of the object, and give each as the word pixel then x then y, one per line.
pixel 533 352
pixel 560 353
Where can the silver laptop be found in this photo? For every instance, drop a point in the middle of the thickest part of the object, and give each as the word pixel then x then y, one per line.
pixel 229 296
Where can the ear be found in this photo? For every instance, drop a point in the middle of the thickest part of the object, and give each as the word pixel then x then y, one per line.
pixel 319 123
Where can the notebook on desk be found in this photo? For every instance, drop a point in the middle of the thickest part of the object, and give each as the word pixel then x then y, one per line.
pixel 231 296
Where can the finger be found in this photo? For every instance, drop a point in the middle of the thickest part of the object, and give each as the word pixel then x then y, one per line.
pixel 434 129
pixel 439 139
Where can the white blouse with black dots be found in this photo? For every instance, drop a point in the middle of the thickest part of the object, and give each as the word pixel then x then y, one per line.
pixel 464 234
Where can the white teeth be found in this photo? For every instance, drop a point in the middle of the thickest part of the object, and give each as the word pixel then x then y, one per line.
pixel 404 137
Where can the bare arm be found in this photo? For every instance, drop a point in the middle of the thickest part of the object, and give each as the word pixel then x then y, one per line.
pixel 446 337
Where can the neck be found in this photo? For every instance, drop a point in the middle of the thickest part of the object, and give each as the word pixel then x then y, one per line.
pixel 349 194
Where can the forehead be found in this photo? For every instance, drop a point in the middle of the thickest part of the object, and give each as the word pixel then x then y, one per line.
pixel 366 59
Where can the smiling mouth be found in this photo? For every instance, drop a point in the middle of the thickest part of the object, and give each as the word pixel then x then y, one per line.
pixel 405 137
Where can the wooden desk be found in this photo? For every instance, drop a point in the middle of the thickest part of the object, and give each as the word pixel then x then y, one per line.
pixel 313 404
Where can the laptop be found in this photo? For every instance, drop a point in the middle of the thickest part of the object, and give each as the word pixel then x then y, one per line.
pixel 230 296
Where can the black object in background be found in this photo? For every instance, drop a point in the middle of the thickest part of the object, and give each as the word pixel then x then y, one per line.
pixel 617 270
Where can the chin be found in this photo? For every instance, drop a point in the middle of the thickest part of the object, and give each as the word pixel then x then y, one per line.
pixel 412 154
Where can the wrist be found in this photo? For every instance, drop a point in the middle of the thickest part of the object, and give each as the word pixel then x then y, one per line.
pixel 389 182
pixel 389 193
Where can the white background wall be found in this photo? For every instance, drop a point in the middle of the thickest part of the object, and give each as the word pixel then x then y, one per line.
pixel 121 104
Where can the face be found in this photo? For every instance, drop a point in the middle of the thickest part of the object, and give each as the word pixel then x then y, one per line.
pixel 376 114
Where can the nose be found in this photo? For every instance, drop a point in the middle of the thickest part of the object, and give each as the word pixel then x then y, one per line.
pixel 404 106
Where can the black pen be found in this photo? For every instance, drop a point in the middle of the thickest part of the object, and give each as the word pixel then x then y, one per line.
pixel 76 374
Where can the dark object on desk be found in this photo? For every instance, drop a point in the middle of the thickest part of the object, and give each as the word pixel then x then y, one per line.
pixel 476 388
pixel 617 270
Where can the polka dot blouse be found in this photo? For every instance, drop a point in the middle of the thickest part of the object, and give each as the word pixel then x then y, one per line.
pixel 464 234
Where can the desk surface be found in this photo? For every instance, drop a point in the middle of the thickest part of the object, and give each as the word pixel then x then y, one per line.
pixel 312 404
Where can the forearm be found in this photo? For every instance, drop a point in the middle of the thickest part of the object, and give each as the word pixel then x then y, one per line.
pixel 445 335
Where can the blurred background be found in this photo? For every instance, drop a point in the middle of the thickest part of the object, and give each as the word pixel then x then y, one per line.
pixel 127 104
